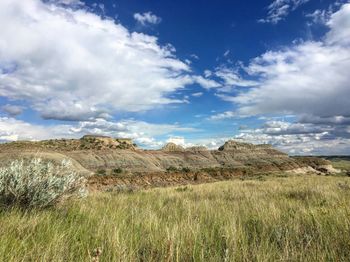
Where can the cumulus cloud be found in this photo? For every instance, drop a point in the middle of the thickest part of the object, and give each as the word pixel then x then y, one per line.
pixel 286 128
pixel 177 140
pixel 310 78
pixel 279 10
pixel 300 144
pixel 12 110
pixel 12 129
pixel 332 120
pixel 70 64
pixel 143 133
pixel 210 143
pixel 147 18
pixel 339 24
pixel 297 138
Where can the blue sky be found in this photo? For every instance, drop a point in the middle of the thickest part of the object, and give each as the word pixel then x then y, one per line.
pixel 189 72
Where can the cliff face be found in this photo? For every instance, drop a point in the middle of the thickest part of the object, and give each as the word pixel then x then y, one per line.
pixel 95 153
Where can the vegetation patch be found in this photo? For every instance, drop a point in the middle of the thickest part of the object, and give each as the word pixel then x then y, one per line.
pixel 101 172
pixel 37 183
pixel 299 218
pixel 117 170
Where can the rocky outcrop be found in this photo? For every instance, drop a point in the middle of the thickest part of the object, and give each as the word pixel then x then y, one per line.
pixel 93 153
pixel 103 142
pixel 240 148
pixel 172 147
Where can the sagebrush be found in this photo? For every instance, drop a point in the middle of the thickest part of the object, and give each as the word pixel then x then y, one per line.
pixel 37 183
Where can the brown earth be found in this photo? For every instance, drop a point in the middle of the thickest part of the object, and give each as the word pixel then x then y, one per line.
pixel 118 162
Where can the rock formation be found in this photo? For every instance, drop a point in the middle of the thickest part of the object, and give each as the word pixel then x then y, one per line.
pixel 93 153
pixel 172 147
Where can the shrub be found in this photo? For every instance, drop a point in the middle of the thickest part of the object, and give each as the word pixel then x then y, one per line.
pixel 185 170
pixel 101 172
pixel 171 169
pixel 117 170
pixel 38 184
pixel 183 189
pixel 122 189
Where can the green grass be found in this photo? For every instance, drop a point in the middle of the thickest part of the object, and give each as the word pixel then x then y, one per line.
pixel 296 218
pixel 341 164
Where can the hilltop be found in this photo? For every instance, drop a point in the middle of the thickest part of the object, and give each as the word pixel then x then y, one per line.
pixel 87 142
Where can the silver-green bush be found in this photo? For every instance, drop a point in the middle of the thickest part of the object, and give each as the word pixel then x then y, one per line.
pixel 38 184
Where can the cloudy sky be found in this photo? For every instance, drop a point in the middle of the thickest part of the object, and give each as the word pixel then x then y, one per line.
pixel 192 72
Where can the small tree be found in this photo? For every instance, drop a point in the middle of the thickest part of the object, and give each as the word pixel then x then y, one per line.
pixel 38 184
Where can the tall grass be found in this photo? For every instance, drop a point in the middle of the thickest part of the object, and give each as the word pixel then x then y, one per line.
pixel 298 218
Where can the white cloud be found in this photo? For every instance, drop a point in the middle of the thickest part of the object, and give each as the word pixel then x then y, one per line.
pixel 224 115
pixel 208 73
pixel 177 140
pixel 210 143
pixel 279 10
pixel 198 94
pixel 296 138
pixel 339 24
pixel 319 16
pixel 147 18
pixel 310 78
pixel 12 129
pixel 286 128
pixel 12 110
pixel 205 82
pixel 194 56
pixel 66 2
pixel 231 78
pixel 332 120
pixel 149 142
pixel 300 144
pixel 71 64
pixel 143 133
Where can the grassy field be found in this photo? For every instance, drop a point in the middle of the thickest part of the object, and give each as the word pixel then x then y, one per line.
pixel 340 162
pixel 294 218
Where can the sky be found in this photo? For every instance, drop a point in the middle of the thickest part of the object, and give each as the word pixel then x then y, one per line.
pixel 189 72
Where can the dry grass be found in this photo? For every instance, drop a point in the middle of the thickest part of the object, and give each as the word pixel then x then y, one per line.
pixel 296 218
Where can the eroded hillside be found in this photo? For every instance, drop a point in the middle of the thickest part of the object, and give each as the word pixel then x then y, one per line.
pixel 120 162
